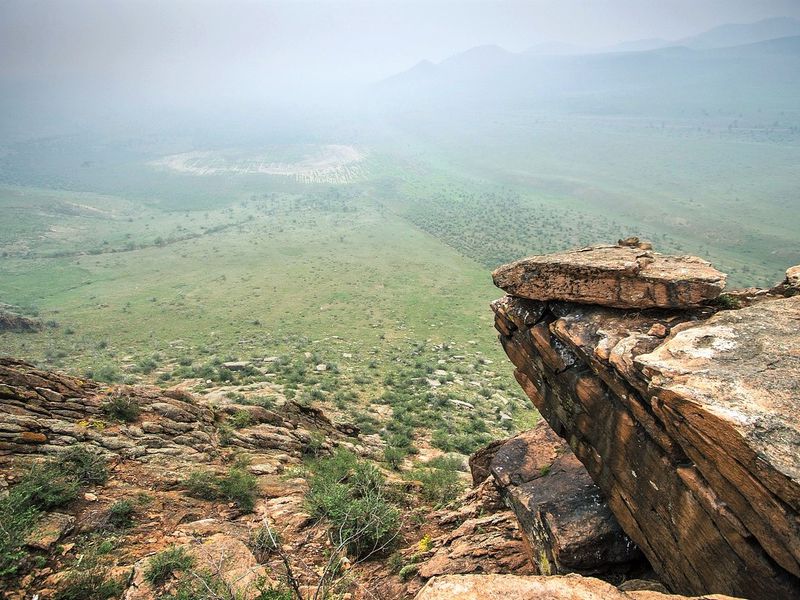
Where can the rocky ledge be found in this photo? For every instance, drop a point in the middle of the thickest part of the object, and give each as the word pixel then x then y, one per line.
pixel 684 414
pixel 628 275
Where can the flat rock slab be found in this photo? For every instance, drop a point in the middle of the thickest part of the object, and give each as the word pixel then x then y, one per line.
pixel 507 587
pixel 49 530
pixel 616 276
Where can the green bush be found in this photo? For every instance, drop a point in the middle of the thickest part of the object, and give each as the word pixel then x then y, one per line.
pixel 47 485
pixel 87 467
pixel 262 401
pixel 240 487
pixel 92 583
pixel 240 419
pixel 104 373
pixel 201 586
pixel 161 566
pixel 350 494
pixel 263 541
pixel 394 456
pixel 440 481
pixel 120 515
pixel 202 484
pixel 122 409
pixel 236 486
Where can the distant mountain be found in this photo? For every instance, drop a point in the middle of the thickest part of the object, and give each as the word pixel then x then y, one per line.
pixel 555 49
pixel 719 37
pixel 672 80
pixel 640 45
pixel 740 34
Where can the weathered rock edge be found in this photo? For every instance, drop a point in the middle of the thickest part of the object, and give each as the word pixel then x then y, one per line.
pixel 622 276
pixel 693 441
pixel 505 587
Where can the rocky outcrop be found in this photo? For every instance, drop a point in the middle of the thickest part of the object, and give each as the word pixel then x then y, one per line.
pixel 12 321
pixel 42 412
pixel 566 523
pixel 686 418
pixel 503 587
pixel 628 275
pixel 486 538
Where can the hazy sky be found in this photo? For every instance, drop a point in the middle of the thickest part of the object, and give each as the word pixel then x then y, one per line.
pixel 230 48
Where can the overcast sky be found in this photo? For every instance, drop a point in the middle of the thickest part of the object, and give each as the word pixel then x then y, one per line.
pixel 235 47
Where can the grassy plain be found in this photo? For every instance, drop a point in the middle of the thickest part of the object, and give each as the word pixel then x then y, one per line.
pixel 154 274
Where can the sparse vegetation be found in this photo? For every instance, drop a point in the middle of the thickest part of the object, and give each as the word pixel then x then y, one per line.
pixel 235 486
pixel 351 495
pixel 122 408
pixel 45 486
pixel 165 564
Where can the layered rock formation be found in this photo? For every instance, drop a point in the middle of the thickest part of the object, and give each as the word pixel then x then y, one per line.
pixel 166 435
pixel 685 416
pixel 42 412
pixel 13 321
pixel 566 524
pixel 628 275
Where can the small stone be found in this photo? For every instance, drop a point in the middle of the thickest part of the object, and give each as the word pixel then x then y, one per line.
pixel 89 496
pixel 321 367
pixel 239 365
pixel 658 330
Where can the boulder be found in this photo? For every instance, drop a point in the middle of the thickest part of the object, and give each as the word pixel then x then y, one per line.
pixel 566 523
pixel 505 587
pixel 793 277
pixel 618 276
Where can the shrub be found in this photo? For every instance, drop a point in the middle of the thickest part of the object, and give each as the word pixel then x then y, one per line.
pixel 122 409
pixel 394 456
pixel 87 467
pixel 408 572
pixel 263 541
pixel 315 445
pixel 160 567
pixel 105 373
pixel 236 486
pixel 45 486
pixel 201 586
pixel 281 593
pixel 146 366
pixel 240 419
pixel 440 481
pixel 262 401
pixel 120 515
pixel 90 582
pixel 202 484
pixel 350 494
pixel 240 487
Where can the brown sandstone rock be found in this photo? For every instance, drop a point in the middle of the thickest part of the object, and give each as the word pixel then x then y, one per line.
pixel 693 439
pixel 727 390
pixel 50 528
pixel 617 276
pixel 567 525
pixel 507 587
pixel 793 277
